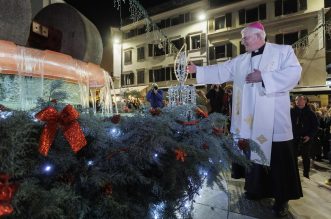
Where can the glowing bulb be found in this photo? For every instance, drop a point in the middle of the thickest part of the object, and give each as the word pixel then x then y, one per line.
pixel 48 168
pixel 5 115
pixel 115 132
pixel 90 163
pixel 187 204
pixel 202 16
pixel 156 155
pixel 116 40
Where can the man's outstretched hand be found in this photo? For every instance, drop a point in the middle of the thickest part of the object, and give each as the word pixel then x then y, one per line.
pixel 191 68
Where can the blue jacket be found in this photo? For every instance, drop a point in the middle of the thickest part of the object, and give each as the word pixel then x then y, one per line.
pixel 155 99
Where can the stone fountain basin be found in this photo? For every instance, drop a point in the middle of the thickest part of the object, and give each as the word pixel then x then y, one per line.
pixel 55 65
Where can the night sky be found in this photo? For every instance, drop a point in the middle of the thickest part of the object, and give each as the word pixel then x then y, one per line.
pixel 103 14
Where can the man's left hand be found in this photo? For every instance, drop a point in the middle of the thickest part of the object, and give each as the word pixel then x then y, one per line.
pixel 254 77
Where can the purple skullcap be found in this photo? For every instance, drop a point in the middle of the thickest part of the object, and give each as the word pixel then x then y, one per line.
pixel 257 25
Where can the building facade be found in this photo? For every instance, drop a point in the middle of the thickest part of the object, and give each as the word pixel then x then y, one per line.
pixel 140 60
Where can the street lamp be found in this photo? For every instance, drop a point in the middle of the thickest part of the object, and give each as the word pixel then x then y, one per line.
pixel 116 40
pixel 117 54
pixel 202 16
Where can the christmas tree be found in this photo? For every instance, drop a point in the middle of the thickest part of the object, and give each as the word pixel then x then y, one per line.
pixel 129 167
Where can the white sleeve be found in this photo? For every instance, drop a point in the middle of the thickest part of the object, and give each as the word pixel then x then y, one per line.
pixel 215 74
pixel 286 77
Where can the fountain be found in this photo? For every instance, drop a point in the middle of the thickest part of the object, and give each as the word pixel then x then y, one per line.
pixel 26 74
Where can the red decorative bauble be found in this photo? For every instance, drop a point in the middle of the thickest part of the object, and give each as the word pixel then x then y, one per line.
pixel 205 146
pixel 243 144
pixel 2 108
pixel 108 189
pixel 7 191
pixel 115 119
pixel 5 209
pixel 54 101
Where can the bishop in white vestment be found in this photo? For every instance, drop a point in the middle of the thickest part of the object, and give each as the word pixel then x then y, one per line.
pixel 262 79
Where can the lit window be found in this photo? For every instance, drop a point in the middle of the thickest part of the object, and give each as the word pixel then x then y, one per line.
pixel 128 57
pixel 196 41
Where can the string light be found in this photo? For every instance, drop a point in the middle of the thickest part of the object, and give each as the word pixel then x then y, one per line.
pixel 47 168
pixel 5 115
pixel 115 132
pixel 90 163
pixel 157 210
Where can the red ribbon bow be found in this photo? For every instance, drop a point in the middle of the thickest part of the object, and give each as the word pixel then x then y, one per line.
pixel 67 121
pixel 7 192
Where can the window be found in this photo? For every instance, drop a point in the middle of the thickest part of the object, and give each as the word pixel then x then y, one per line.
pixel 127 79
pixel 140 53
pixel 141 30
pixel 130 33
pixel 170 73
pixel 187 17
pixel 195 41
pixel 158 49
pixel 223 21
pixel 178 43
pixel 223 51
pixel 252 14
pixel 141 76
pixel 164 23
pixel 220 23
pixel 177 20
pixel 128 57
pixel 290 38
pixel 220 51
pixel 160 74
pixel 283 7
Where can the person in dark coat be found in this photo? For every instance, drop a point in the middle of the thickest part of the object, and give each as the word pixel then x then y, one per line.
pixel 215 96
pixel 155 96
pixel 305 126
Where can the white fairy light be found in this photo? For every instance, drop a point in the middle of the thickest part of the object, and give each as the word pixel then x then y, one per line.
pixel 47 169
pixel 90 163
pixel 115 132
pixel 157 210
pixel 5 115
